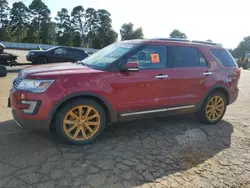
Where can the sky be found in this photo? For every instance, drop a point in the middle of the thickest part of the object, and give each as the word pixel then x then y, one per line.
pixel 222 21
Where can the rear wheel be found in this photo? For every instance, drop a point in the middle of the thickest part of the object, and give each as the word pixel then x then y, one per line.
pixel 81 121
pixel 41 60
pixel 213 108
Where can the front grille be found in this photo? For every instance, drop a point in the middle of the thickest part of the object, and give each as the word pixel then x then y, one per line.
pixel 17 81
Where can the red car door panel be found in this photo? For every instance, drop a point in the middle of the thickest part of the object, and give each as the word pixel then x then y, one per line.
pixel 140 90
pixel 147 88
pixel 190 76
pixel 189 85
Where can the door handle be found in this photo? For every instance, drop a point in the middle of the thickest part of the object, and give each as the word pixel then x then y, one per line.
pixel 161 76
pixel 207 73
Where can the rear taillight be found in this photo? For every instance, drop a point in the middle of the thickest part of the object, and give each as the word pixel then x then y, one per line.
pixel 238 71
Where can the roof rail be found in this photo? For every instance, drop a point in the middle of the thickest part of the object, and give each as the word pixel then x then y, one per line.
pixel 204 42
pixel 186 40
pixel 172 39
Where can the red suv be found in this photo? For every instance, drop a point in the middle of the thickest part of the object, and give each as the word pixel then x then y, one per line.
pixel 127 80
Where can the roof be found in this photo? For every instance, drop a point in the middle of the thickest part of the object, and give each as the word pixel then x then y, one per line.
pixel 173 40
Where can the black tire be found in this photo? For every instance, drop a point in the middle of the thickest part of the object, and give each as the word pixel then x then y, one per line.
pixel 41 60
pixel 201 114
pixel 62 114
pixel 3 71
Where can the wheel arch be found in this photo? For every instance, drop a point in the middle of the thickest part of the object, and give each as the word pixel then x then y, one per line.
pixel 220 88
pixel 111 115
pixel 42 56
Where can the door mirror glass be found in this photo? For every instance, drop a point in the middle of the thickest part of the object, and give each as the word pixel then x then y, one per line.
pixel 131 66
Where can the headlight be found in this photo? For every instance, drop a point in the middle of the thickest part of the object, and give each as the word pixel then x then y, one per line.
pixel 37 86
pixel 31 53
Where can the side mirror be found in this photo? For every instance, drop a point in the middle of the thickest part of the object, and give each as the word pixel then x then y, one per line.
pixel 131 67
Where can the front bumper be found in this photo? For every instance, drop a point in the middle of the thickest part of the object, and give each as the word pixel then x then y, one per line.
pixel 30 58
pixel 40 125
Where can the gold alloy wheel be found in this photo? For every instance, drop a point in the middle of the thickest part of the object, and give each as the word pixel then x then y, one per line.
pixel 81 122
pixel 215 108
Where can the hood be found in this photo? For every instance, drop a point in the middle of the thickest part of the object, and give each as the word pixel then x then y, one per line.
pixel 36 51
pixel 55 69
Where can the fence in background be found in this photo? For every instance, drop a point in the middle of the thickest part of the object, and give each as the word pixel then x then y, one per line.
pixel 32 46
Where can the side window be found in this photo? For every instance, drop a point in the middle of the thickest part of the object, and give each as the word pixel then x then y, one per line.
pixel 72 52
pixel 186 57
pixel 60 51
pixel 150 57
pixel 224 57
pixel 83 54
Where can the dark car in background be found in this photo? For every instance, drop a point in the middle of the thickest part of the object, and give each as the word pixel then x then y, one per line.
pixel 56 55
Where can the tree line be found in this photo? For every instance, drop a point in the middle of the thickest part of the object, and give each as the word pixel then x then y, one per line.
pixel 237 52
pixel 80 27
pixel 86 28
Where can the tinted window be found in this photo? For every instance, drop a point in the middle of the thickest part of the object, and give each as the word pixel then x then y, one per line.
pixel 224 57
pixel 72 52
pixel 150 57
pixel 83 54
pixel 60 51
pixel 186 57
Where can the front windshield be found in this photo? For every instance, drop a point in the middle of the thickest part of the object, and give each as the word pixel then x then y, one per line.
pixel 104 57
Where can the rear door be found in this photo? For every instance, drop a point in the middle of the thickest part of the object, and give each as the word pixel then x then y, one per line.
pixel 148 88
pixel 191 76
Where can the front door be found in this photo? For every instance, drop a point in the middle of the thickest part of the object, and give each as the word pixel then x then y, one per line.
pixel 59 55
pixel 191 75
pixel 148 88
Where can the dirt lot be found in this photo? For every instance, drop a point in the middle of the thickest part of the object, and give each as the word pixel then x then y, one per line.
pixel 170 152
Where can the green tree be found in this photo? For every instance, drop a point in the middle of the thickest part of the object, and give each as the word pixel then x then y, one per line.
pixel 78 20
pixel 64 28
pixel 242 47
pixel 177 34
pixel 90 26
pixel 77 39
pixel 19 20
pixel 231 52
pixel 40 20
pixel 48 33
pixel 4 13
pixel 127 32
pixel 105 34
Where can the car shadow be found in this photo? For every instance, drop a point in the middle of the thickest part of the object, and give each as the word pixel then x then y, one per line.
pixel 136 152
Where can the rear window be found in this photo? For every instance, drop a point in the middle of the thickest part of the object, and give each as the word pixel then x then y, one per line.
pixel 224 57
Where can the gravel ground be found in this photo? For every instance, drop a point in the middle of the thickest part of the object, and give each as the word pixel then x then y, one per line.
pixel 169 152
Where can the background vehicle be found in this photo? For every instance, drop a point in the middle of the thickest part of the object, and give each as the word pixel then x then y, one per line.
pixel 56 55
pixel 3 71
pixel 243 62
pixel 126 81
pixel 6 59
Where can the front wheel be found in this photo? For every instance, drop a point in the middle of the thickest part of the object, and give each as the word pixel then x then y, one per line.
pixel 81 121
pixel 41 60
pixel 213 108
